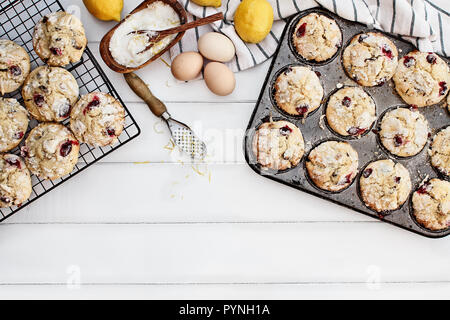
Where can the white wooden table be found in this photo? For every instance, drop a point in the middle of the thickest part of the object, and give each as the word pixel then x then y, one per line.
pixel 142 224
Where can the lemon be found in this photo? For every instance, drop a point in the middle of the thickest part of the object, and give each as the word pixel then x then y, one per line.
pixel 208 3
pixel 105 9
pixel 253 20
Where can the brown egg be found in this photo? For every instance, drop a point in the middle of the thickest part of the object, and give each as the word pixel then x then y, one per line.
pixel 219 78
pixel 216 47
pixel 187 66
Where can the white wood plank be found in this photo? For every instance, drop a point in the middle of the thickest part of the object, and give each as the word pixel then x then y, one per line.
pixel 256 253
pixel 143 226
pixel 176 193
pixel 221 126
pixel 230 292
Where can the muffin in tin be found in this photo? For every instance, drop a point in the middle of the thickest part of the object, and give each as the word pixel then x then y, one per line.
pixel 13 124
pixel 59 39
pixel 51 151
pixel 422 78
pixel 385 185
pixel 278 145
pixel 298 91
pixel 370 59
pixel 97 119
pixel 49 93
pixel 332 165
pixel 15 181
pixel 350 112
pixel 431 205
pixel 14 66
pixel 316 37
pixel 440 151
pixel 403 132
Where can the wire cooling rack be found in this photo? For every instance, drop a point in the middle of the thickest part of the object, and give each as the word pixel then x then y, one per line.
pixel 17 21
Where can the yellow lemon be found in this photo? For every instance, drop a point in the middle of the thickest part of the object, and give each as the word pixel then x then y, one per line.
pixel 105 9
pixel 208 3
pixel 253 20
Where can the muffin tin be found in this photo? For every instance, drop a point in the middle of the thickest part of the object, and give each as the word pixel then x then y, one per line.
pixel 315 129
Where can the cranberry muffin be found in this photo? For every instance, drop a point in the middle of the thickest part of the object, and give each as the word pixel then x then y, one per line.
pixel 97 119
pixel 333 165
pixel 350 112
pixel 15 181
pixel 49 93
pixel 13 124
pixel 317 37
pixel 51 151
pixel 370 59
pixel 278 145
pixel 298 91
pixel 385 185
pixel 404 132
pixel 59 39
pixel 431 205
pixel 440 151
pixel 14 66
pixel 422 78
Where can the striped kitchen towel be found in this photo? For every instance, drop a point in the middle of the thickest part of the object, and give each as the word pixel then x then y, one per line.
pixel 425 23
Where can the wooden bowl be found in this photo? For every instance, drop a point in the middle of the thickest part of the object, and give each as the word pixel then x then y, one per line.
pixel 104 44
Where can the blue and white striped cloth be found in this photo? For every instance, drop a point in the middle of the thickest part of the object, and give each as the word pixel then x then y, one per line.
pixel 425 23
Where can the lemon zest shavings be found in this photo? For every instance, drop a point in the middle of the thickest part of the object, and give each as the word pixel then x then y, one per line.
pixel 197 170
pixel 170 145
pixel 142 162
pixel 165 62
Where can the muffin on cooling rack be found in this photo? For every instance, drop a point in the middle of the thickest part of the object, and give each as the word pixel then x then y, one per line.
pixel 15 181
pixel 14 66
pixel 59 39
pixel 404 132
pixel 49 93
pixel 350 112
pixel 297 91
pixel 278 145
pixel 98 119
pixel 431 204
pixel 440 151
pixel 370 59
pixel 13 124
pixel 333 165
pixel 51 151
pixel 317 37
pixel 422 78
pixel 385 185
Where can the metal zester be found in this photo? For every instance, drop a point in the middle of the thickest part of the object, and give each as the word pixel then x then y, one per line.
pixel 182 135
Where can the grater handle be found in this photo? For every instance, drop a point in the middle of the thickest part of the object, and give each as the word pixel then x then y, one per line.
pixel 141 89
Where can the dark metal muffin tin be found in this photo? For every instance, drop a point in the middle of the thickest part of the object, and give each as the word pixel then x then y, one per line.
pixel 368 146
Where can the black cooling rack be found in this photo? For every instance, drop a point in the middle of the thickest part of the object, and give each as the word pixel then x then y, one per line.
pixel 17 21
